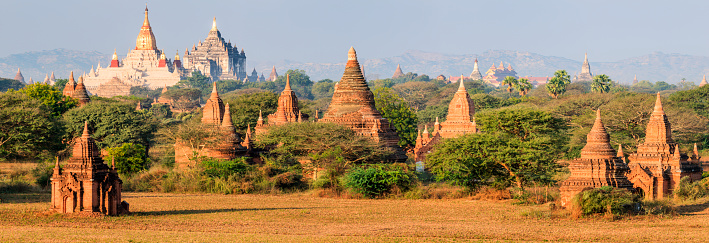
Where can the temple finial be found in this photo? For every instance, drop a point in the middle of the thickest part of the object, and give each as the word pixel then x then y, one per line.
pixel 86 134
pixel 352 54
pixel 214 24
pixel 287 81
pixel 658 104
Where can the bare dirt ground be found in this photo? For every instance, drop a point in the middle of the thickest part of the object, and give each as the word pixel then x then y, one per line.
pixel 305 218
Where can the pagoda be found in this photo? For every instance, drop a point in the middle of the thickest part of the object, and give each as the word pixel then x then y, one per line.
pixel 495 75
pixel 76 90
pixel 704 81
pixel 353 106
pixel 19 76
pixel 216 58
pixel 86 185
pixel 459 121
pixel 273 76
pixel 657 166
pixel 145 65
pixel 598 166
pixel 476 75
pixel 398 73
pixel 585 75
pixel 226 143
pixel 286 112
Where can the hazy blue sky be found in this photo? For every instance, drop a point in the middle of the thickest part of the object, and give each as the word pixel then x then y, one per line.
pixel 322 31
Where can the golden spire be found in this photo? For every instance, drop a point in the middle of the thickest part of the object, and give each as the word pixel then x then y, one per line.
pixel 115 56
pixel 214 24
pixel 177 55
pixel 146 38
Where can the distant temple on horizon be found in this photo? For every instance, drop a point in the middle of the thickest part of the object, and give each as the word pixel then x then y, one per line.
pixel 217 58
pixel 495 75
pixel 148 66
pixel 585 75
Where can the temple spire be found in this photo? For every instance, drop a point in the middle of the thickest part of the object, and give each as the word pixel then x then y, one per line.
pixel 704 81
pixel 227 123
pixel 287 82
pixel 461 86
pixel 620 151
pixel 86 134
pixel 214 24
pixel 146 38
pixel 658 105
pixel 351 55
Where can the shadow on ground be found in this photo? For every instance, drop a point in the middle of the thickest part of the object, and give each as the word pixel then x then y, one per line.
pixel 693 208
pixel 206 211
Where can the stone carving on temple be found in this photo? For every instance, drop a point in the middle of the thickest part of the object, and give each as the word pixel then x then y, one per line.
pixel 598 166
pixel 86 185
pixel 658 165
pixel 353 106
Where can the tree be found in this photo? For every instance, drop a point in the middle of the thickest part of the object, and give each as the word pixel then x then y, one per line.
pixel 523 85
pixel 183 99
pixel 6 84
pixel 400 115
pixel 197 81
pixel 50 97
pixel 323 89
pixel 601 84
pixel 517 145
pixel 557 85
pixel 511 82
pixel 245 108
pixel 416 93
pixel 112 124
pixel 27 127
pixel 60 83
pixel 130 158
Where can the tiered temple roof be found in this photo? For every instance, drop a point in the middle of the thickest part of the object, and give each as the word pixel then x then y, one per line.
pixel 274 75
pixel 658 165
pixel 459 121
pixel 353 106
pixel 585 74
pixel 216 58
pixel 286 112
pixel 598 166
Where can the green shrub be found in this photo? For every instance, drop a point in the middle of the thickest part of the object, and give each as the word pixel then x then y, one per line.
pixel 692 190
pixel 377 180
pixel 130 158
pixel 606 200
pixel 224 169
pixel 43 174
pixel 658 207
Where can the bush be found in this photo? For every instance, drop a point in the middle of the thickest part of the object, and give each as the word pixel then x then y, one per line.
pixel 536 195
pixel 130 158
pixel 224 169
pixel 377 180
pixel 43 174
pixel 606 200
pixel 692 190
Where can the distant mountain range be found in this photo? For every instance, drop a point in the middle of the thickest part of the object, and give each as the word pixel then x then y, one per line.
pixel 654 67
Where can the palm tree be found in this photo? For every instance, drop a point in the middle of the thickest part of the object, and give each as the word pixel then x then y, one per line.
pixel 510 81
pixel 601 84
pixel 557 85
pixel 523 85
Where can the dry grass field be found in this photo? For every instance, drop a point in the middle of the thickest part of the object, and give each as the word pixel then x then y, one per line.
pixel 306 218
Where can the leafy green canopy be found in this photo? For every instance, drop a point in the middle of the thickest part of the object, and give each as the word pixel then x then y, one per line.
pixel 401 116
pixel 130 158
pixel 245 108
pixel 27 127
pixel 557 85
pixel 517 145
pixel 6 84
pixel 50 96
pixel 112 124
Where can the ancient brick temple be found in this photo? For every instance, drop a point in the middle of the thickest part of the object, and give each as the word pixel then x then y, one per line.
pixel 286 112
pixel 353 106
pixel 227 145
pixel 458 122
pixel 19 76
pixel 76 90
pixel 585 74
pixel 598 166
pixel 86 184
pixel 657 166
pixel 216 58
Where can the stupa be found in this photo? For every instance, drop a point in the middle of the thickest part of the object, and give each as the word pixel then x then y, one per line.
pixel 398 73
pixel 353 106
pixel 286 112
pixel 476 75
pixel 585 75
pixel 598 166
